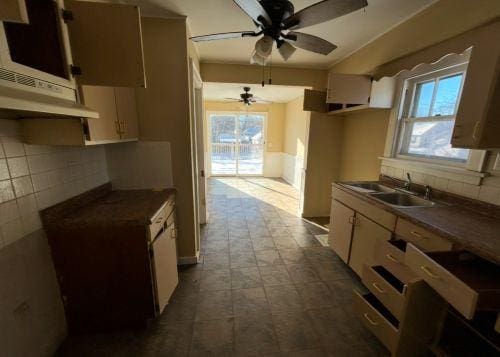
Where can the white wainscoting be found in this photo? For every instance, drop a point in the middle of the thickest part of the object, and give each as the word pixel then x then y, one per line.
pixel 292 169
pixel 273 164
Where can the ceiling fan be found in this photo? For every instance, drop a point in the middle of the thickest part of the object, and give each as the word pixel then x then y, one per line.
pixel 248 98
pixel 277 20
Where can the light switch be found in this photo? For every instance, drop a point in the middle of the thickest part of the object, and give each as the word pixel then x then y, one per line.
pixel 496 167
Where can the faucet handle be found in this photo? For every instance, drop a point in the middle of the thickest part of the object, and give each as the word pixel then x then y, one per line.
pixel 428 191
pixel 408 176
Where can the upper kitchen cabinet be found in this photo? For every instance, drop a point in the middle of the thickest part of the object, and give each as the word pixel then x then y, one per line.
pixel 106 43
pixel 477 123
pixel 348 89
pixel 14 11
pixel 350 93
pixel 117 122
pixel 126 108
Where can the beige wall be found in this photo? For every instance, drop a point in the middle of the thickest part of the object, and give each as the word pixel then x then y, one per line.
pixel 296 122
pixel 275 119
pixel 444 19
pixel 323 163
pixel 164 114
pixel 363 141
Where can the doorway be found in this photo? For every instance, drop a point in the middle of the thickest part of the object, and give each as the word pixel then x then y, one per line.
pixel 237 143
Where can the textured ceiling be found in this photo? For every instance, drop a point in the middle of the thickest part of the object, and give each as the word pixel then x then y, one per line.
pixel 349 32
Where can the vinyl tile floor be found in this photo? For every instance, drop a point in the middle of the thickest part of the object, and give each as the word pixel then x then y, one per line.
pixel 264 287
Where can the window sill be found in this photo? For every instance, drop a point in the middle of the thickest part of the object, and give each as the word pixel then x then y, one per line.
pixel 449 172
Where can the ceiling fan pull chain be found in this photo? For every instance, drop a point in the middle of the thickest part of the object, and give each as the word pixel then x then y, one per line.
pixel 263 76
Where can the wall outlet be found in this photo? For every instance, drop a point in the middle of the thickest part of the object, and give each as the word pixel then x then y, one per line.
pixel 496 166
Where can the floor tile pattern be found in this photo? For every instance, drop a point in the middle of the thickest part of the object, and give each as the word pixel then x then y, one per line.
pixel 265 287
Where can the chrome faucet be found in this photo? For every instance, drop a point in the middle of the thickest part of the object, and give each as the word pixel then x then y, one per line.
pixel 408 182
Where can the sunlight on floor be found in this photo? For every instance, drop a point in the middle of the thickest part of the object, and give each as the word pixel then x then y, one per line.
pixel 274 192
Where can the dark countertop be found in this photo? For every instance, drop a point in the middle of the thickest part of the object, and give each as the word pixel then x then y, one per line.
pixel 472 231
pixel 103 206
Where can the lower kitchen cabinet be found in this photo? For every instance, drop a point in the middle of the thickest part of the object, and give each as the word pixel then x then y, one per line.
pixel 115 271
pixel 353 236
pixel 340 235
pixel 164 259
pixel 366 235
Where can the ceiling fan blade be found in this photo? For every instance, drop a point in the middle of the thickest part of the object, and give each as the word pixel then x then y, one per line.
pixel 310 42
pixel 254 9
pixel 223 36
pixel 259 100
pixel 236 99
pixel 321 12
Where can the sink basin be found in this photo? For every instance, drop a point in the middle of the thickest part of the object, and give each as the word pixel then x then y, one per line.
pixel 399 199
pixel 368 186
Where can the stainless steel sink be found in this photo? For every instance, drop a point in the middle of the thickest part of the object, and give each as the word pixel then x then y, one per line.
pixel 399 199
pixel 368 186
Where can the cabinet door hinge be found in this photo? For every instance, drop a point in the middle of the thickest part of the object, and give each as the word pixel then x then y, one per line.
pixel 67 15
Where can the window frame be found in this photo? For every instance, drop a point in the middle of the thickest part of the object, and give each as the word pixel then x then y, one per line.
pixel 407 110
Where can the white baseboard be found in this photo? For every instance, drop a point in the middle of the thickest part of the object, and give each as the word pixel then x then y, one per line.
pixel 189 260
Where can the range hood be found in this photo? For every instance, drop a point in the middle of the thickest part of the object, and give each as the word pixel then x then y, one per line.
pixel 16 103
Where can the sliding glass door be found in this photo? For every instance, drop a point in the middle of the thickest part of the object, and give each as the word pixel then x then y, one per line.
pixel 237 143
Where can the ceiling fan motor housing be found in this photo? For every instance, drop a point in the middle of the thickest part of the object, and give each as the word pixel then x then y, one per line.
pixel 277 11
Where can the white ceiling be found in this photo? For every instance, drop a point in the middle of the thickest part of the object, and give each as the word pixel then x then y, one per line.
pixel 272 93
pixel 349 32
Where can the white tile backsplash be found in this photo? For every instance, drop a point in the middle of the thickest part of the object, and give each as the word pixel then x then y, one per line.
pixel 18 166
pixel 13 146
pixel 34 177
pixel 487 191
pixel 4 169
pixel 140 165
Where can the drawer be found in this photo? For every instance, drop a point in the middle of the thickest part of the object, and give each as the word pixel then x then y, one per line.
pixel 391 255
pixel 165 214
pixel 388 289
pixel 374 213
pixel 467 282
pixel 422 238
pixel 377 319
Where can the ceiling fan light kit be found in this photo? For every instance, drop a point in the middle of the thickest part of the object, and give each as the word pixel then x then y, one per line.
pixel 276 18
pixel 286 50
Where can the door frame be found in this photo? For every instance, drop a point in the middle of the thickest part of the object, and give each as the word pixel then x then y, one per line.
pixel 195 83
pixel 209 141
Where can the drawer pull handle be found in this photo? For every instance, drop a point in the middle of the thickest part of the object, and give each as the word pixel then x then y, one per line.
pixel 159 220
pixel 370 320
pixel 379 289
pixel 173 234
pixel 352 220
pixel 416 234
pixel 391 258
pixel 429 272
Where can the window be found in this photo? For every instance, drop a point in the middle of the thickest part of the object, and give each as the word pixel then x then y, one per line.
pixel 428 116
